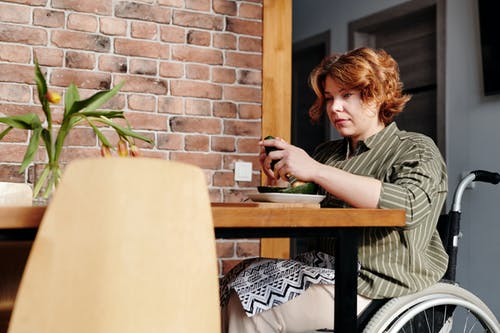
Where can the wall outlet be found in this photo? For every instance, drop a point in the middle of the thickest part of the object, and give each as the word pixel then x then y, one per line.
pixel 243 171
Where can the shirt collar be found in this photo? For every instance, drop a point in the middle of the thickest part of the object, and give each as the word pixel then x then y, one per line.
pixel 372 141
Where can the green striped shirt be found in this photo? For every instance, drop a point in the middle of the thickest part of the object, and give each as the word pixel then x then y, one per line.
pixel 396 261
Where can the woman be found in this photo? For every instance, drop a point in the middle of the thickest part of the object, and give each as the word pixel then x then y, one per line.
pixel 375 165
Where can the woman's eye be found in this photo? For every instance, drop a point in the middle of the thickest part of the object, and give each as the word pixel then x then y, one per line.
pixel 347 95
pixel 329 99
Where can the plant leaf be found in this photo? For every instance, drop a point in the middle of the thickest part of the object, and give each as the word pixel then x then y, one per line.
pixel 41 85
pixel 41 180
pixel 107 114
pixel 96 100
pixel 5 132
pixel 47 139
pixel 99 134
pixel 124 131
pixel 70 98
pixel 29 121
pixel 31 149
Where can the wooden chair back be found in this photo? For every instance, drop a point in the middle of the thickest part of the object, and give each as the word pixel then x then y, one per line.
pixel 126 245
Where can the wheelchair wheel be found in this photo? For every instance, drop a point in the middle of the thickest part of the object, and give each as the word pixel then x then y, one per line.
pixel 442 308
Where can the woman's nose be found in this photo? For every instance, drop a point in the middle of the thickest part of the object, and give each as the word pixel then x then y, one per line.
pixel 336 106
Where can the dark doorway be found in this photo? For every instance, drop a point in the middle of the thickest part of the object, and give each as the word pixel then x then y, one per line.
pixel 306 55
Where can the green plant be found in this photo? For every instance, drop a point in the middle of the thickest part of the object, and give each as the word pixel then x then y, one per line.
pixel 76 111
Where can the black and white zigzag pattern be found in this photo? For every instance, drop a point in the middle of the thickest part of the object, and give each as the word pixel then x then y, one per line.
pixel 264 283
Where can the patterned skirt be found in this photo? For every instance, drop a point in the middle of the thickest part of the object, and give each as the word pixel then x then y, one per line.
pixel 262 283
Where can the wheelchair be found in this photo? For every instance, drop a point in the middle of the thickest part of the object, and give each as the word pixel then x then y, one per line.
pixel 444 307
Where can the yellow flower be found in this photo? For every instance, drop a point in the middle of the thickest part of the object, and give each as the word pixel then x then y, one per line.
pixel 122 148
pixel 105 151
pixel 134 151
pixel 53 97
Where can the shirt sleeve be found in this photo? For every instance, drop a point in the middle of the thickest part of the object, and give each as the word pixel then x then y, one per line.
pixel 414 181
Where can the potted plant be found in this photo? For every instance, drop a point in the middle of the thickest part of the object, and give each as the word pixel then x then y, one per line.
pixel 76 111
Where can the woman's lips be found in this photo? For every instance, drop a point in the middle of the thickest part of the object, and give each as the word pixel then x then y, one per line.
pixel 341 122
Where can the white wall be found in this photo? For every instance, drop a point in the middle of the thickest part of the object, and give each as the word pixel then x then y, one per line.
pixel 472 125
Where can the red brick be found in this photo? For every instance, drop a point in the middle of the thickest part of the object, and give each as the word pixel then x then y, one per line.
pixel 196 54
pixel 195 89
pixel 171 69
pixel 143 67
pixel 172 34
pixel 30 2
pixel 251 11
pixel 143 84
pixel 48 18
pixel 15 53
pixel 15 93
pixel 200 5
pixel 82 79
pixel 142 102
pixel 53 57
pixel 102 7
pixel 198 107
pixel 243 94
pixel 80 60
pixel 22 35
pixel 223 75
pixel 74 153
pixel 134 10
pixel 203 160
pixel 17 73
pixel 197 142
pixel 81 137
pixel 14 14
pixel 172 3
pixel 196 20
pixel 15 135
pixel 242 128
pixel 82 22
pixel 12 153
pixel 238 59
pixel 225 7
pixel 225 110
pixel 144 30
pixel 244 27
pixel 141 48
pixel 170 105
pixel 223 179
pixel 250 77
pixel 247 249
pixel 215 195
pixel 223 144
pixel 113 26
pixel 197 72
pixel 224 41
pixel 224 249
pixel 109 63
pixel 80 40
pixel 195 125
pixel 18 109
pixel 196 37
pixel 147 121
pixel 10 173
pixel 250 44
pixel 170 141
pixel 249 146
pixel 250 111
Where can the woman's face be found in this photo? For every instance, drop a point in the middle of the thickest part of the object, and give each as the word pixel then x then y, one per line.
pixel 347 112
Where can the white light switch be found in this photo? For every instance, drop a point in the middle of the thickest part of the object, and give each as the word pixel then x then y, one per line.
pixel 243 171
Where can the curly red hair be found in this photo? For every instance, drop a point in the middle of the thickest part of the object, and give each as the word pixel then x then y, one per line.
pixel 373 72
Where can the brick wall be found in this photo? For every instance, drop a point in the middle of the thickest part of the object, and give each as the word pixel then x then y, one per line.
pixel 193 81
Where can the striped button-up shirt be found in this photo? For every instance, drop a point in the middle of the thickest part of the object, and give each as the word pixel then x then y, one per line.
pixel 396 261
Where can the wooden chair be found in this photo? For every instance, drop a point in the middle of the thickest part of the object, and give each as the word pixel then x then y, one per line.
pixel 126 245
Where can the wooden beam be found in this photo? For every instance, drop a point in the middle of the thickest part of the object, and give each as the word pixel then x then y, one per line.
pixel 277 90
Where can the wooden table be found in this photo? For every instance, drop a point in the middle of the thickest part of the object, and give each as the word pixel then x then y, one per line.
pixel 251 220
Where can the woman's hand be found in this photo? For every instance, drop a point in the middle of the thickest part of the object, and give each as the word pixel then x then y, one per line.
pixel 292 161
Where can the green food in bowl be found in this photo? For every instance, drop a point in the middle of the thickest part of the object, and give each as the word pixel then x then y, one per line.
pixel 307 188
